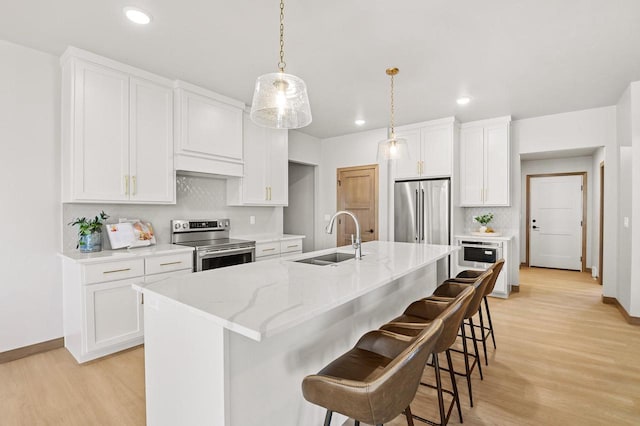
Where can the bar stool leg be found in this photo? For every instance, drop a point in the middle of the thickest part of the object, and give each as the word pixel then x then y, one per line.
pixel 475 347
pixel 484 336
pixel 409 416
pixel 466 363
pixel 493 337
pixel 327 418
pixel 357 423
pixel 454 384
pixel 436 365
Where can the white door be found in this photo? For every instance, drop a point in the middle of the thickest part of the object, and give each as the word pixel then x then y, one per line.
pixel 409 167
pixel 151 142
pixel 472 166
pixel 496 165
pixel 437 146
pixel 113 313
pixel 278 167
pixel 101 134
pixel 556 222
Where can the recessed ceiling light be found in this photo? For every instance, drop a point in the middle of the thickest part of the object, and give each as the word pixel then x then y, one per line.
pixel 360 122
pixel 463 100
pixel 137 16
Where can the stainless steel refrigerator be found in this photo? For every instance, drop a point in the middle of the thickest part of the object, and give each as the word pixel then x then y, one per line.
pixel 422 212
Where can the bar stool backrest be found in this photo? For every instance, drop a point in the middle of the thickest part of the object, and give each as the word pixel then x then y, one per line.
pixel 480 283
pixel 452 316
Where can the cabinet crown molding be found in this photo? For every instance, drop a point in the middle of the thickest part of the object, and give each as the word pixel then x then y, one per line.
pixel 179 84
pixel 479 123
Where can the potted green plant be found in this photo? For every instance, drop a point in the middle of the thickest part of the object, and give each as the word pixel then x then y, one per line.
pixel 90 232
pixel 483 220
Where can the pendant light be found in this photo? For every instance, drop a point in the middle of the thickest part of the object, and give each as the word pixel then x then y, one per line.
pixel 280 100
pixel 392 148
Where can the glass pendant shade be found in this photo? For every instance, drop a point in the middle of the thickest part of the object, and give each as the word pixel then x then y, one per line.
pixel 393 149
pixel 280 101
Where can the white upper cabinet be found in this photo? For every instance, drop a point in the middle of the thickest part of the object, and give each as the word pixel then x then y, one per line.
pixel 266 168
pixel 208 131
pixel 484 163
pixel 430 147
pixel 117 132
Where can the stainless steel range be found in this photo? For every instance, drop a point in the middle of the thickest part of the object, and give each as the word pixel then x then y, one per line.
pixel 213 247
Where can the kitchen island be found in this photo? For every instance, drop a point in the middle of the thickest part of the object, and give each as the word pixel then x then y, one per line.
pixel 231 346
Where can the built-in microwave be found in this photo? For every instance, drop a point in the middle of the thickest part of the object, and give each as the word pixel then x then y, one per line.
pixel 475 254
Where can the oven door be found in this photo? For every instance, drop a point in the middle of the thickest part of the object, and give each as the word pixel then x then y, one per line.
pixel 212 259
pixel 478 254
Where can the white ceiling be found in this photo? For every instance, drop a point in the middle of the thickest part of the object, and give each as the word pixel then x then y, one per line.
pixel 521 57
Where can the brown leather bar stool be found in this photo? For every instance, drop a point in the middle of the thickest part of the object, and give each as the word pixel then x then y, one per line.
pixel 448 291
pixel 419 315
pixel 469 276
pixel 376 380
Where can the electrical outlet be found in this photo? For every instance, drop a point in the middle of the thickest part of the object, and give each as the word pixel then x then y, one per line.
pixel 252 220
pixel 625 221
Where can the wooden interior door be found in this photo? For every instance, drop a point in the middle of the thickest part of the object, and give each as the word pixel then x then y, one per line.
pixel 357 189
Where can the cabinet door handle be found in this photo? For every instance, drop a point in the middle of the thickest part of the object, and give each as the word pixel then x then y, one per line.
pixel 142 298
pixel 135 185
pixel 266 193
pixel 417 167
pixel 126 184
pixel 421 167
pixel 117 270
pixel 171 263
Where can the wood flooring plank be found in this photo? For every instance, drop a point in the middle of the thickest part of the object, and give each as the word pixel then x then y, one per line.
pixel 563 358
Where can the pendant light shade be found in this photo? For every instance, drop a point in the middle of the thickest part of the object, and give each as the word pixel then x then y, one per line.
pixel 280 100
pixel 392 148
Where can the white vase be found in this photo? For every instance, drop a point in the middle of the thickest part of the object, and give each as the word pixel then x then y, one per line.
pixel 482 229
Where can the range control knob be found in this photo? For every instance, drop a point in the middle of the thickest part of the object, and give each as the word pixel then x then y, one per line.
pixel 185 225
pixel 177 226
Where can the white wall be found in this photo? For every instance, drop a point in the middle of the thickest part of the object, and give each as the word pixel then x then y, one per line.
pixel 346 151
pixel 635 215
pixel 590 128
pixel 303 148
pixel 299 215
pixel 598 157
pixel 559 165
pixel 625 240
pixel 30 290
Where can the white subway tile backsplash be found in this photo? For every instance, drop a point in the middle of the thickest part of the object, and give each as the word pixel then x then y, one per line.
pixel 197 197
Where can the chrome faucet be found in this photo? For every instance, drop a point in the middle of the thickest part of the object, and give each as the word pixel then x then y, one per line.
pixel 358 241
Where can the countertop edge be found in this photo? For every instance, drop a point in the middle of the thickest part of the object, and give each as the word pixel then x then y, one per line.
pixel 123 254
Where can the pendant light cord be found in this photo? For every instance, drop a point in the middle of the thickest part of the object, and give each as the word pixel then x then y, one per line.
pixel 282 63
pixel 393 133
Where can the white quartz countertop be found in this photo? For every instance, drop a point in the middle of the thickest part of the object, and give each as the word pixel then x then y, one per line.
pixel 264 298
pixel 502 237
pixel 269 238
pixel 112 255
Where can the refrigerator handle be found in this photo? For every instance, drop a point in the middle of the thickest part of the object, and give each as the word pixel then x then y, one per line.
pixel 417 218
pixel 422 217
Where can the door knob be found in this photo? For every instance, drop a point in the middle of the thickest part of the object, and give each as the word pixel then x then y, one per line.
pixel 371 231
pixel 535 227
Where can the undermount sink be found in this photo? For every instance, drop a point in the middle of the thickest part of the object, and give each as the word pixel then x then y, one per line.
pixel 327 259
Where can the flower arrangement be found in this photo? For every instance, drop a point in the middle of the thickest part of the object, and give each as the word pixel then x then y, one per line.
pixel 90 232
pixel 484 221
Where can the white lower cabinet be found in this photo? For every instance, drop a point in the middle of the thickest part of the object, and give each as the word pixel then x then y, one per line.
pixel 278 249
pixel 113 314
pixel 102 313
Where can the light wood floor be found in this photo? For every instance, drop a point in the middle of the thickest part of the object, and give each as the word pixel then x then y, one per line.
pixel 563 358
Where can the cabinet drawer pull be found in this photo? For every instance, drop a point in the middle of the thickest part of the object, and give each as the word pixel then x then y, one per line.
pixel 269 249
pixel 126 184
pixel 171 263
pixel 295 245
pixel 117 270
